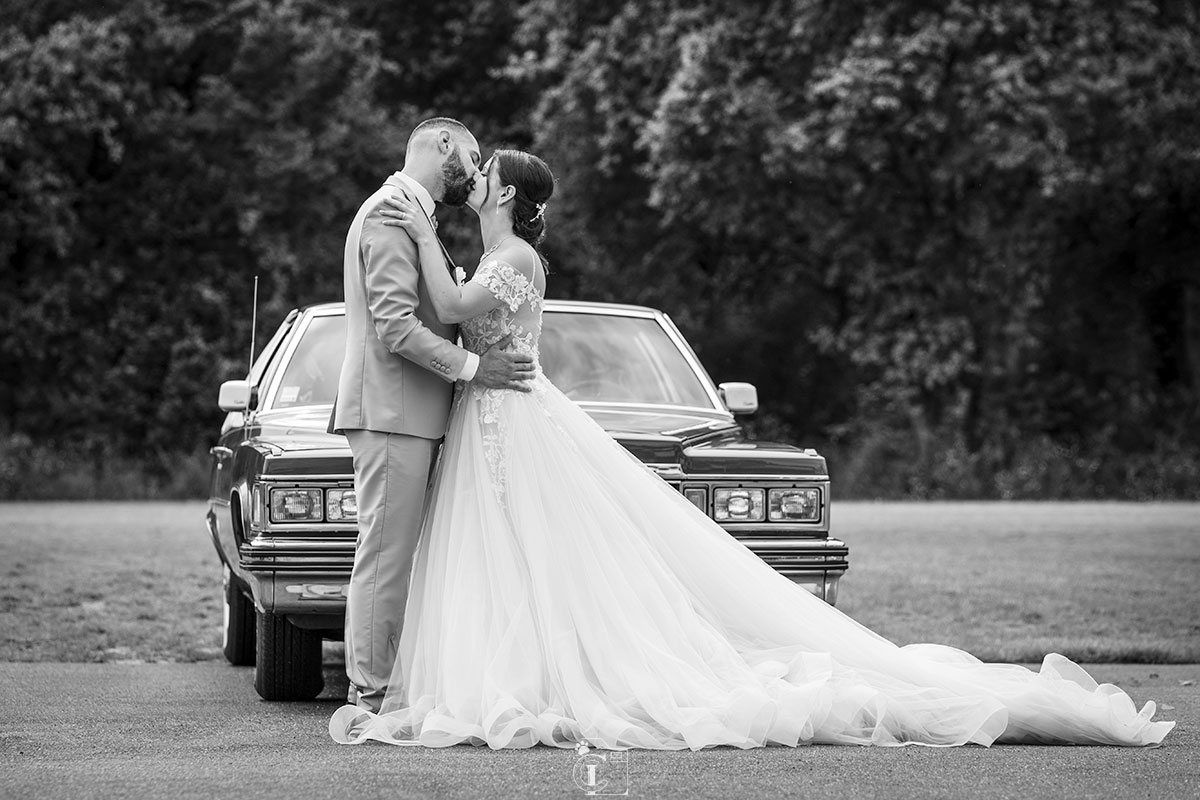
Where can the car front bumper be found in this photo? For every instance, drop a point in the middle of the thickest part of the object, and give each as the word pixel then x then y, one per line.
pixel 312 577
pixel 299 578
pixel 816 564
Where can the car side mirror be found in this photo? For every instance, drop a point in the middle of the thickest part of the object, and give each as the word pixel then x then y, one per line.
pixel 739 398
pixel 235 396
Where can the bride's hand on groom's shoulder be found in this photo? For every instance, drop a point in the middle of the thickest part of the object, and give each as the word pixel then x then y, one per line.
pixel 401 211
pixel 500 369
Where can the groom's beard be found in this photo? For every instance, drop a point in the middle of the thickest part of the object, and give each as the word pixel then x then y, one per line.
pixel 457 182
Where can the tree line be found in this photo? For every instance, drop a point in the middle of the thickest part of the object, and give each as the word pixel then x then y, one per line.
pixel 954 244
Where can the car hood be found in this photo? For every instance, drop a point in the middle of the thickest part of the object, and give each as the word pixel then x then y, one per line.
pixel 700 442
pixel 299 444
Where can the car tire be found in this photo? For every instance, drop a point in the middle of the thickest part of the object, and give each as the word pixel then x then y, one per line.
pixel 239 624
pixel 288 666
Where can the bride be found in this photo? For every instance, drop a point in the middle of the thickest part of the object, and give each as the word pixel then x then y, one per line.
pixel 562 592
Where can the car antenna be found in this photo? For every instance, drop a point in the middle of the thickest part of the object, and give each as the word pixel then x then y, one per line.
pixel 253 398
pixel 253 325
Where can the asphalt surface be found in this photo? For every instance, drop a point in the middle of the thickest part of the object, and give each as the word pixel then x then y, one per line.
pixel 199 730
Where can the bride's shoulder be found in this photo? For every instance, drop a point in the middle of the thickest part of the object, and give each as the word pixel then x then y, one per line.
pixel 520 256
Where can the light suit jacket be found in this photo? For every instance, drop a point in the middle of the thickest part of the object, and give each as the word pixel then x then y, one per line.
pixel 400 364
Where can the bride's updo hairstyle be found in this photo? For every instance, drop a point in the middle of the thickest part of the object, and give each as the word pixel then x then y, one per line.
pixel 534 184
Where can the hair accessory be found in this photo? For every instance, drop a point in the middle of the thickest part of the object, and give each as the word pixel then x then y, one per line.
pixel 541 210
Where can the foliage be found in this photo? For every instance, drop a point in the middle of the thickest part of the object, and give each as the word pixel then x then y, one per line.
pixel 971 227
pixel 954 244
pixel 153 162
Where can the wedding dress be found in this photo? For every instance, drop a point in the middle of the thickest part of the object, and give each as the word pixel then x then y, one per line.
pixel 561 591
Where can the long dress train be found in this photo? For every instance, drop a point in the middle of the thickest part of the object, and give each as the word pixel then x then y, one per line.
pixel 562 591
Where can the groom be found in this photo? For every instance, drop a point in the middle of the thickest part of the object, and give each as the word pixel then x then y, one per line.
pixel 393 399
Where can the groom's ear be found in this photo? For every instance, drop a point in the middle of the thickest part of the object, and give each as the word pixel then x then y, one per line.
pixel 445 142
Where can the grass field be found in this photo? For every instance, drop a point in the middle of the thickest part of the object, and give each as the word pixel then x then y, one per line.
pixel 1115 582
pixel 108 582
pixel 1006 581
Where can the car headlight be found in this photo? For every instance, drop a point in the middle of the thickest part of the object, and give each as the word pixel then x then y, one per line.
pixel 738 505
pixel 341 505
pixel 296 505
pixel 794 505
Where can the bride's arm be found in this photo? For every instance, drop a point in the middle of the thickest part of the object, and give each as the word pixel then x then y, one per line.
pixel 451 302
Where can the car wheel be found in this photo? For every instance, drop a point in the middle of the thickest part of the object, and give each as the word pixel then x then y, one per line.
pixel 238 624
pixel 288 666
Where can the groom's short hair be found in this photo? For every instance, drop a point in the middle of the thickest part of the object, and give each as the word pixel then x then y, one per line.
pixel 456 128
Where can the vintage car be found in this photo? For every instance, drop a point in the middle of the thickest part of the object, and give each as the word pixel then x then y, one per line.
pixel 282 505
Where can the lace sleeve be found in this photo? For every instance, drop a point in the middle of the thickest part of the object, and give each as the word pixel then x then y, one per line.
pixel 504 281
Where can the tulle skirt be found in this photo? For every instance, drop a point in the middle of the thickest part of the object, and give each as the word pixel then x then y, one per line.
pixel 562 592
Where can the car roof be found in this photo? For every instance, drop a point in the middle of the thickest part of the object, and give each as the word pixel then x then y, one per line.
pixel 579 306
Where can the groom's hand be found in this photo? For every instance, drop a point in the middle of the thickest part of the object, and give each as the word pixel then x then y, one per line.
pixel 500 370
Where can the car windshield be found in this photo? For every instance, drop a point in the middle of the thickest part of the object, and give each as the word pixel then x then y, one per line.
pixel 603 358
pixel 590 357
pixel 312 374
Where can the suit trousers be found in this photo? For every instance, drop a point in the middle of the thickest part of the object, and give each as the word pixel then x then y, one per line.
pixel 391 476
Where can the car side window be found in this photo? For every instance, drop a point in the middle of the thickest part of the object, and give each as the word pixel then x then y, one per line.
pixel 259 372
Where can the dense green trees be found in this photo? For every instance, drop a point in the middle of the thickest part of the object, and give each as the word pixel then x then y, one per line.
pixel 958 239
pixel 153 160
pixel 954 244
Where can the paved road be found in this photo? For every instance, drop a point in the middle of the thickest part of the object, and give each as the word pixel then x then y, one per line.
pixel 199 730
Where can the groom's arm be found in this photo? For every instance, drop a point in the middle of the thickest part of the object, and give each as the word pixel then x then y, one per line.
pixel 390 260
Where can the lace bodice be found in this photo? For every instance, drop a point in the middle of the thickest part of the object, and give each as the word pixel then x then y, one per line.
pixel 520 314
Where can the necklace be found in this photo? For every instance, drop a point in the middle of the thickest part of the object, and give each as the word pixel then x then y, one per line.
pixel 494 247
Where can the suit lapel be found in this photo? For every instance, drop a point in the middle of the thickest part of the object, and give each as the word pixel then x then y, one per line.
pixel 399 182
